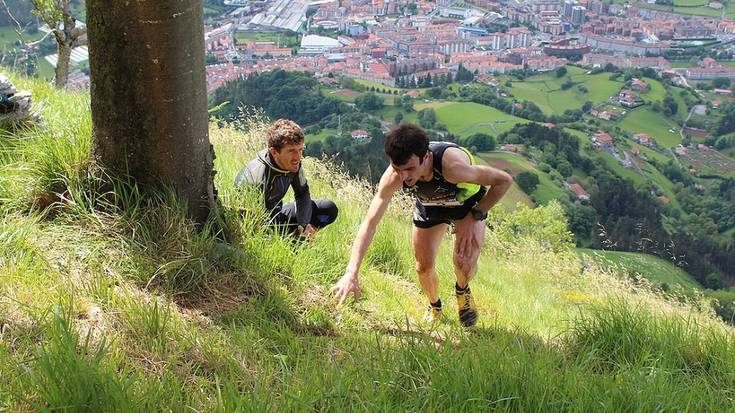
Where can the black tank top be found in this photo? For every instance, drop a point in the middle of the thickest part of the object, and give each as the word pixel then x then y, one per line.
pixel 439 192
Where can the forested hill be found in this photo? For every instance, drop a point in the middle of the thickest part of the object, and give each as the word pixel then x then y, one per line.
pixel 111 300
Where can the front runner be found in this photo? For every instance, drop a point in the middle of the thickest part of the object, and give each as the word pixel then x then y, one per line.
pixel 449 189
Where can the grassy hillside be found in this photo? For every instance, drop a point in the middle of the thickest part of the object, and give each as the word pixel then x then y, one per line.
pixel 545 90
pixel 467 118
pixel 110 300
pixel 515 194
pixel 655 269
pixel 546 191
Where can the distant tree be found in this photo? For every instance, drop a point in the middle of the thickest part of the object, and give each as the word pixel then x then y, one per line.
pixel 528 181
pixel 726 123
pixel 669 106
pixel 398 118
pixel 59 17
pixel 464 75
pixel 725 142
pixel 435 92
pixel 481 141
pixel 713 281
pixel 369 101
pixel 561 72
pixel 407 103
pixel 587 106
pixel 721 82
pixel 582 220
pixel 427 118
pixel 314 148
pixel 565 168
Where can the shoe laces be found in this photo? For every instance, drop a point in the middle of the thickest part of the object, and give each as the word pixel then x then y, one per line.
pixel 466 304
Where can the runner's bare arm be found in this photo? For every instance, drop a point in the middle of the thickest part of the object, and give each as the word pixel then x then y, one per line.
pixel 457 169
pixel 456 165
pixel 389 184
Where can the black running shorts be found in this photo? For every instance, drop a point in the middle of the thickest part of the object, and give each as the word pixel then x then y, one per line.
pixel 430 216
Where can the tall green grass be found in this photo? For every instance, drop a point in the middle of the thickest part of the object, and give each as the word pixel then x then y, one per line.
pixel 111 300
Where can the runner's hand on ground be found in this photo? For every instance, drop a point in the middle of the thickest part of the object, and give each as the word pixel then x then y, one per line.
pixel 346 285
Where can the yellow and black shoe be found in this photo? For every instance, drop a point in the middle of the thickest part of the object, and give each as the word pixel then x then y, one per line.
pixel 434 312
pixel 466 306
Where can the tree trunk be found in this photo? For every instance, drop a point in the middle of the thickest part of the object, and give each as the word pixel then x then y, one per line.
pixel 149 102
pixel 62 64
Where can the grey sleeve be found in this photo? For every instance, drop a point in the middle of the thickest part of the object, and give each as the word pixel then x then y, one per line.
pixel 252 174
pixel 302 197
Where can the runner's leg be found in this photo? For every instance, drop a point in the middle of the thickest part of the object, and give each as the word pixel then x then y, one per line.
pixel 466 267
pixel 426 243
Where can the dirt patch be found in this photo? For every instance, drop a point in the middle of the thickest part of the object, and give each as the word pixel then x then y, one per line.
pixel 709 159
pixel 346 92
pixel 227 294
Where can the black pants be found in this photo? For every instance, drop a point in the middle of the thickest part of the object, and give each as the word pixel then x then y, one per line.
pixel 323 213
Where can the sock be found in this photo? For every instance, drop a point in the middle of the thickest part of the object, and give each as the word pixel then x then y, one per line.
pixel 461 290
pixel 437 304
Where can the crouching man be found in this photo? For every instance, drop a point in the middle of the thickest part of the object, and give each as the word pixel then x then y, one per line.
pixel 277 168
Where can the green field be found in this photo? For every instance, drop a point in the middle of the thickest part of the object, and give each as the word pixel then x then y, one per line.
pixel 321 135
pixel 545 90
pixel 690 3
pixel 345 95
pixel 467 118
pixel 9 38
pixel 653 268
pixel 644 120
pixel 680 64
pixel 289 39
pixel 656 91
pixel 378 86
pixel 546 191
pixel 651 174
pixel 689 7
pixel 650 153
pixel 515 194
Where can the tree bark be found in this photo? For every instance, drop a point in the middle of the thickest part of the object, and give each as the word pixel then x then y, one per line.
pixel 62 64
pixel 148 91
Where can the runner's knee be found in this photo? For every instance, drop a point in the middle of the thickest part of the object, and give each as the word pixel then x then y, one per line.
pixel 424 269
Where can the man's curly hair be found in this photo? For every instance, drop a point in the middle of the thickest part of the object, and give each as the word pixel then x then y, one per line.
pixel 284 132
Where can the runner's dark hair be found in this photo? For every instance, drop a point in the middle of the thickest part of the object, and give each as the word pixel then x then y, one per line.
pixel 404 141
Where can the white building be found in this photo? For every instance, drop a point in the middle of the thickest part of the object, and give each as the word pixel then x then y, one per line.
pixel 317 45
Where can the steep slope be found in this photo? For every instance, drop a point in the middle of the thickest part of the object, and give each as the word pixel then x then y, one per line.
pixel 112 301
